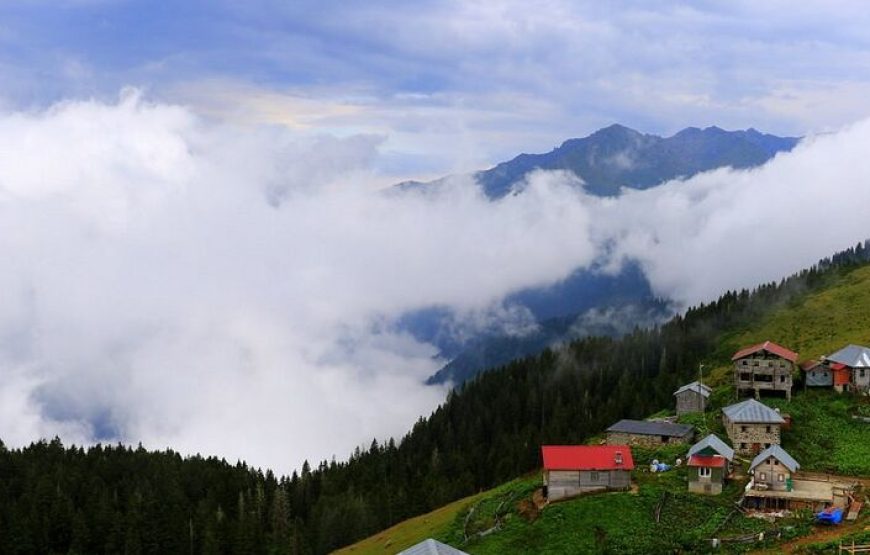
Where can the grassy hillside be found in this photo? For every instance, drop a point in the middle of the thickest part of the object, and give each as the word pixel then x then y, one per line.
pixel 824 438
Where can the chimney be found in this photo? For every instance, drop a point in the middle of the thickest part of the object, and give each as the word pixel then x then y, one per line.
pixel 618 458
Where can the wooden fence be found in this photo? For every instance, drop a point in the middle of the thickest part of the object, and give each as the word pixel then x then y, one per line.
pixel 854 548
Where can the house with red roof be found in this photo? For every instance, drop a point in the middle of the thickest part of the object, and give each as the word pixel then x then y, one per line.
pixel 709 463
pixel 570 470
pixel 766 367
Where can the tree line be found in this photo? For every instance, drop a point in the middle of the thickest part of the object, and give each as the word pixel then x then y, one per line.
pixel 119 499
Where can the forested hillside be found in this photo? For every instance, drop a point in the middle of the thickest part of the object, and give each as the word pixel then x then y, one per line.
pixel 56 499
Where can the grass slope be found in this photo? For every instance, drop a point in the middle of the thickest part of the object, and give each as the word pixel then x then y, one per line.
pixel 414 530
pixel 824 438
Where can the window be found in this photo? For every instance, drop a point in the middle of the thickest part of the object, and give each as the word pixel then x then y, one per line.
pixel 861 373
pixel 743 446
pixel 704 472
pixel 593 476
pixel 763 477
pixel 767 429
pixel 745 362
pixel 781 477
pixel 782 379
pixel 743 428
pixel 766 445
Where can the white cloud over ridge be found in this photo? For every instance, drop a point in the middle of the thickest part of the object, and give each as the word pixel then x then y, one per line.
pixel 224 290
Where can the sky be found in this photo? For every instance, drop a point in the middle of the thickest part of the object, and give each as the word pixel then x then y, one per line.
pixel 452 86
pixel 198 252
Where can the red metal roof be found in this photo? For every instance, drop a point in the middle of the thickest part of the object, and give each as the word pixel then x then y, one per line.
pixel 809 364
pixel 768 346
pixel 586 457
pixel 715 461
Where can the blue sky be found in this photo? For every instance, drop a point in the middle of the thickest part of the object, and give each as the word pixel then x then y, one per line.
pixel 452 86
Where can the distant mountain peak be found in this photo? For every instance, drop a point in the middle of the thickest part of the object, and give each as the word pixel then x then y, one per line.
pixel 617 157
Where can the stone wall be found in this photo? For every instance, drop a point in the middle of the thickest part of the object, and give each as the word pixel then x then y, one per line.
pixel 743 436
pixel 638 440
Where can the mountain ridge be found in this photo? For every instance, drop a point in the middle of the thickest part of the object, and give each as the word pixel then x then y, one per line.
pixel 617 156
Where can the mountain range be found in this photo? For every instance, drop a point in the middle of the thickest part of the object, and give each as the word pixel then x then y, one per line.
pixel 606 161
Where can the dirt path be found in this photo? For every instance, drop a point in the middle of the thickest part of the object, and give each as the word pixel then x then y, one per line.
pixel 821 534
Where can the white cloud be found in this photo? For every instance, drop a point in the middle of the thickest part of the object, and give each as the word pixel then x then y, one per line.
pixel 229 289
pixel 223 289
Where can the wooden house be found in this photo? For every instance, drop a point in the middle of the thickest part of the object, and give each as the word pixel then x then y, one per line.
pixel 772 469
pixel 645 433
pixel 766 367
pixel 752 426
pixel 817 374
pixel 692 398
pixel 709 463
pixel 574 469
pixel 854 361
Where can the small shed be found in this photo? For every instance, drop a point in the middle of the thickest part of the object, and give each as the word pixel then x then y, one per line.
pixel 817 374
pixel 692 397
pixel 709 463
pixel 646 433
pixel 772 469
pixel 570 470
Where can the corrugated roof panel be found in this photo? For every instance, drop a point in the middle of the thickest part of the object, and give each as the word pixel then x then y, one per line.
pixel 645 427
pixel 854 356
pixel 712 442
pixel 752 411
pixel 777 453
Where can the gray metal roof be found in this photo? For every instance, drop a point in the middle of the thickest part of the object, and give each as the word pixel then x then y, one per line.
pixel 777 453
pixel 697 387
pixel 644 427
pixel 751 410
pixel 431 547
pixel 854 356
pixel 713 442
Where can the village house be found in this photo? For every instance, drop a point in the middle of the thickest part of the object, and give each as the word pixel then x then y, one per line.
pixel 766 367
pixel 752 426
pixel 574 469
pixel 822 374
pixel 645 433
pixel 855 361
pixel 776 485
pixel 709 463
pixel 692 398
pixel 772 469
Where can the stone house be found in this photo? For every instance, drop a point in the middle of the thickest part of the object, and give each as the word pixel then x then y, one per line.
pixel 855 359
pixel 752 426
pixel 772 469
pixel 709 463
pixel 645 433
pixel 570 470
pixel 766 367
pixel 692 398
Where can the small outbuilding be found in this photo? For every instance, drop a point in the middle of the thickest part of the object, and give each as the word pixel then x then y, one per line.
pixel 692 397
pixel 752 426
pixel 709 463
pixel 570 470
pixel 817 374
pixel 646 433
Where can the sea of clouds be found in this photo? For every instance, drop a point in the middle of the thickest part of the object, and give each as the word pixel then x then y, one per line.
pixel 229 290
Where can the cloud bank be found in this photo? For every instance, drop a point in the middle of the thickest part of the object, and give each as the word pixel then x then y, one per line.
pixel 230 290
